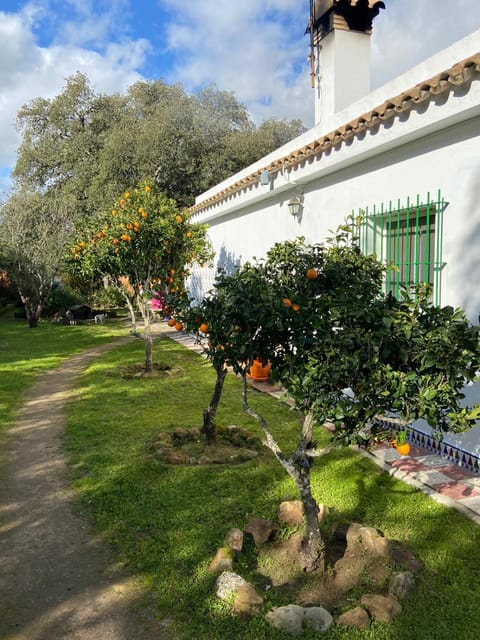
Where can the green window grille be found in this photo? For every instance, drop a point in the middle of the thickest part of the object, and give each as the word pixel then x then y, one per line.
pixel 409 236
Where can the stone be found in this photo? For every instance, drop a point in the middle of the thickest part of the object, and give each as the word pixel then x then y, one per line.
pixel 382 608
pixel 247 600
pixel 163 444
pixel 318 619
pixel 373 541
pixel 194 434
pixel 401 584
pixel 164 438
pixel 223 560
pixel 180 434
pixel 356 617
pixel 172 457
pixel 352 535
pixel 291 512
pixel 261 530
pixel 234 540
pixel 349 571
pixel 404 557
pixel 288 618
pixel 228 583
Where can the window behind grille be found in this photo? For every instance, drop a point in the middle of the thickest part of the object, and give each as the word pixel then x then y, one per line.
pixel 408 236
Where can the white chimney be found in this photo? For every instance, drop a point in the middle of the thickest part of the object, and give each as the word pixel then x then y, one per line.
pixel 340 33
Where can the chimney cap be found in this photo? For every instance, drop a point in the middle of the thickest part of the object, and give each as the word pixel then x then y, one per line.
pixel 350 15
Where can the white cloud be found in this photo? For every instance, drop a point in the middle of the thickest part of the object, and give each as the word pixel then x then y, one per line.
pixel 409 31
pixel 29 70
pixel 256 49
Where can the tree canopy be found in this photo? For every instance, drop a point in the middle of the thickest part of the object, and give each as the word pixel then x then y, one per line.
pixel 33 232
pixel 142 245
pixel 89 147
pixel 345 352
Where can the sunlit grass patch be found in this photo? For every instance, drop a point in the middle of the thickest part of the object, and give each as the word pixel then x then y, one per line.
pixel 166 522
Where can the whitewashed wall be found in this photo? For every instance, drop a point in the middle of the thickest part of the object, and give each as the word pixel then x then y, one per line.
pixel 434 147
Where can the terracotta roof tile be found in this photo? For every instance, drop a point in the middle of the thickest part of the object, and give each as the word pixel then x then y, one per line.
pixel 460 74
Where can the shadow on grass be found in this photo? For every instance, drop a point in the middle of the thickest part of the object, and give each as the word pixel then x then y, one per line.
pixel 166 522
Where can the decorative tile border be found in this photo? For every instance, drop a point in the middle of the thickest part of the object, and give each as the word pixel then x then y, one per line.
pixel 446 450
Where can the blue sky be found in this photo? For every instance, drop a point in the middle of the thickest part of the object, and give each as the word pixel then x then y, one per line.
pixel 255 49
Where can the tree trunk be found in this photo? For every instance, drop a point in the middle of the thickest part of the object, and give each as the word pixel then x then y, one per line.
pixel 133 320
pixel 128 301
pixel 208 428
pixel 147 335
pixel 312 552
pixel 148 343
pixel 32 322
pixel 148 352
pixel 32 310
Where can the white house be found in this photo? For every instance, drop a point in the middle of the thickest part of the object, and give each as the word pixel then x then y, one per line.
pixel 406 156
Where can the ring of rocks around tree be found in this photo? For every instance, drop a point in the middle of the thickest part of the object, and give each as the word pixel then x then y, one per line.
pixel 187 446
pixel 367 577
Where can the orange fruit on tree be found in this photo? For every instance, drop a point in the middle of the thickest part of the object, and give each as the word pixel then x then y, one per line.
pixel 114 212
pixel 148 188
pixel 178 218
pixel 203 327
pixel 312 274
pixel 144 214
pixel 115 241
pixel 295 307
pixel 287 302
pixel 171 322
pixel 129 226
pixel 178 326
pixel 189 234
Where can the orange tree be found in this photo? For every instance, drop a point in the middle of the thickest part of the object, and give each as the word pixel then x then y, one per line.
pixel 345 352
pixel 226 324
pixel 144 245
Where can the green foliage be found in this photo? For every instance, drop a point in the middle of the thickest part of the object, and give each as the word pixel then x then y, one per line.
pixel 59 300
pixel 344 351
pixel 33 234
pixel 144 240
pixel 107 298
pixel 86 148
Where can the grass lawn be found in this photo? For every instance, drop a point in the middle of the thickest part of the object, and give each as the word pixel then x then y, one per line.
pixel 24 353
pixel 166 522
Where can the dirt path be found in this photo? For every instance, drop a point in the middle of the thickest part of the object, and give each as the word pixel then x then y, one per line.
pixel 56 578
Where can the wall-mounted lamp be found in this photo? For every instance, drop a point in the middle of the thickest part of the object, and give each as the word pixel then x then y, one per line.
pixel 295 205
pixel 265 177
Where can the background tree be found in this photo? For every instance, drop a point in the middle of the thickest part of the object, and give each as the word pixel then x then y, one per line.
pixel 86 147
pixel 345 353
pixel 33 235
pixel 145 243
